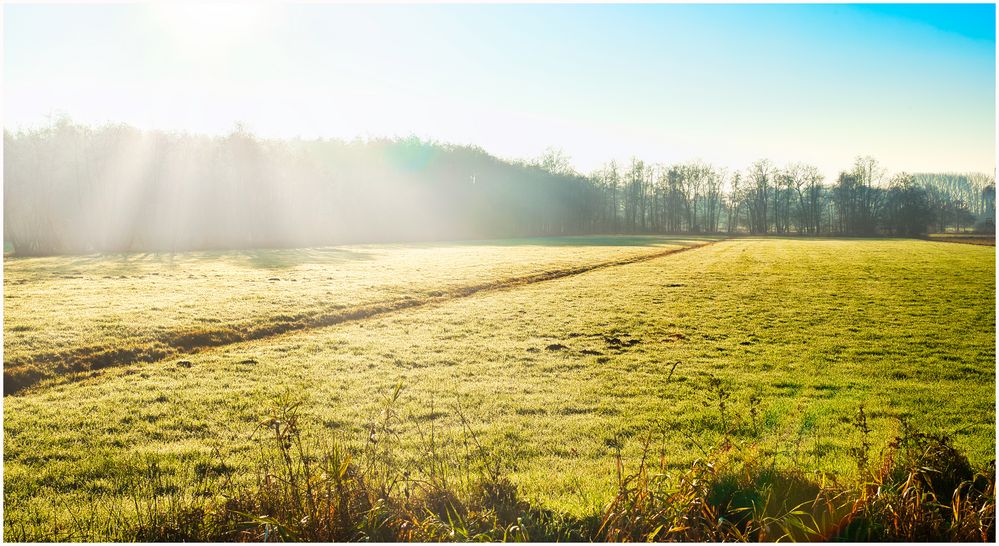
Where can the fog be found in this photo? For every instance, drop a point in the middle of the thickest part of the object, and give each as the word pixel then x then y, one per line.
pixel 75 189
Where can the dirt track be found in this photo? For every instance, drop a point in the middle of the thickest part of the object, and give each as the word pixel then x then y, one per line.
pixel 81 360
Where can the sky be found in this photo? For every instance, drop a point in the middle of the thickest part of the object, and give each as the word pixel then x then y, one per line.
pixel 911 85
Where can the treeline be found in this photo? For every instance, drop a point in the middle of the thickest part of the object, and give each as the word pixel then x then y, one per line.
pixel 795 199
pixel 70 188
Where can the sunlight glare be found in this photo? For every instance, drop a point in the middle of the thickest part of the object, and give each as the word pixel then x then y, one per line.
pixel 209 30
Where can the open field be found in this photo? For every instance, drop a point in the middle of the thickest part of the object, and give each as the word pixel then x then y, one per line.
pixel 77 314
pixel 792 335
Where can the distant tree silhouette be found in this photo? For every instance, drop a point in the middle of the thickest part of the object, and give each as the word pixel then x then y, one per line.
pixel 70 188
pixel 907 208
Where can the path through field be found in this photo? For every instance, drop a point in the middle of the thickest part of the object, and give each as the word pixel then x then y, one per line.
pixel 553 376
pixel 66 317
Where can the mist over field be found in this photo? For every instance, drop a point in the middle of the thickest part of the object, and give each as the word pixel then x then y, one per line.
pixel 466 273
pixel 77 189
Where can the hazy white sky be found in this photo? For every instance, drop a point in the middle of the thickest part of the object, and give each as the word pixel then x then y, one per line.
pixel 913 86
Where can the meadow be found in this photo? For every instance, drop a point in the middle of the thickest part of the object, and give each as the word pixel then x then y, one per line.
pixel 562 373
pixel 71 315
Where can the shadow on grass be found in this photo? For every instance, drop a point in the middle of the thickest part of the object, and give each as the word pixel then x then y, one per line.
pixel 69 364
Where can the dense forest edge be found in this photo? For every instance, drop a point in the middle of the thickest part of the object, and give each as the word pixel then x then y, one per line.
pixel 75 189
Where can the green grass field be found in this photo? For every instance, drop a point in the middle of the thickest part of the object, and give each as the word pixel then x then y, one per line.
pixel 554 375
pixel 71 315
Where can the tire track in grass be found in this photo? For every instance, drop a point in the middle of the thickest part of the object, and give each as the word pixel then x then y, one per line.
pixel 21 374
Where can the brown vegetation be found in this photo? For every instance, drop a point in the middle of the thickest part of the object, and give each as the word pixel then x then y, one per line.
pixel 920 488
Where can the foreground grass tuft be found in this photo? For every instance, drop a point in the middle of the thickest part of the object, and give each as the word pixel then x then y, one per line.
pixel 307 488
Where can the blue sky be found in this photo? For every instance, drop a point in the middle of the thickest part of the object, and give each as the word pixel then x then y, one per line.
pixel 913 85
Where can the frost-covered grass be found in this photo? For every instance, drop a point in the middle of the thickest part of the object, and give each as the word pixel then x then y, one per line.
pixel 769 343
pixel 74 314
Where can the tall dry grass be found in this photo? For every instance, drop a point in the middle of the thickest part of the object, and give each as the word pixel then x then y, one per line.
pixel 920 488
